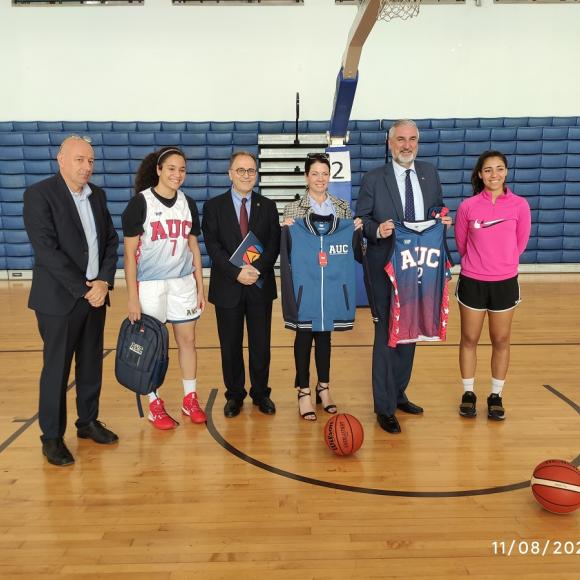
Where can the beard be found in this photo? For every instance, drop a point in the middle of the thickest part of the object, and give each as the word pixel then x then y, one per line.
pixel 405 158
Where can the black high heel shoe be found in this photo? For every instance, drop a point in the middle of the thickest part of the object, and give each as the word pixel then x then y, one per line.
pixel 328 408
pixel 308 415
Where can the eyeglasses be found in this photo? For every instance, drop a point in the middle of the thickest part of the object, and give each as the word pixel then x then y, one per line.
pixel 318 156
pixel 240 171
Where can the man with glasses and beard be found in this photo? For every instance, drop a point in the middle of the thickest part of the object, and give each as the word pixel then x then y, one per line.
pixel 403 190
pixel 243 293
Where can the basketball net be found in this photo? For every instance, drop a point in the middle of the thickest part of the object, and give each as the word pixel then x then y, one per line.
pixel 403 9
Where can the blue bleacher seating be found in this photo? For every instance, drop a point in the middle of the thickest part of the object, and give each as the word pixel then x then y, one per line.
pixel 467 123
pixel 12 167
pixel 373 151
pixel 223 138
pixel 196 165
pixel 451 134
pixel 372 125
pixel 271 127
pixel 75 127
pixel 528 147
pixel 318 126
pixel 372 138
pixel 477 135
pixel 247 126
pixel 149 126
pixel 242 139
pixel 476 148
pixel 11 139
pixel 194 152
pixel 428 149
pixel 167 140
pixel 142 138
pixel 114 152
pixel 11 153
pixel 189 138
pixel 197 126
pixel 220 166
pixel 227 126
pixel 178 127
pixel 429 136
pixel 543 154
pixel 442 123
pixel 491 122
pixel 115 138
pixel 452 148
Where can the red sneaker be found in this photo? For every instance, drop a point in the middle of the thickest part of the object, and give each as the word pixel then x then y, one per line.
pixel 159 417
pixel 191 407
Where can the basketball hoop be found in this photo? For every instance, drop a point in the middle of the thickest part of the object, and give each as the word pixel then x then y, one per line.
pixel 403 9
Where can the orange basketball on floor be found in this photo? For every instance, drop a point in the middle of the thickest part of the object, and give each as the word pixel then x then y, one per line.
pixel 556 486
pixel 343 434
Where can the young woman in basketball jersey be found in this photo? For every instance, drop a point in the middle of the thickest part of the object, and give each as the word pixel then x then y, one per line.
pixel 163 266
pixel 319 201
pixel 492 229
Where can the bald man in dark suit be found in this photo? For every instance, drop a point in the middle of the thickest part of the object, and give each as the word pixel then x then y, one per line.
pixel 75 250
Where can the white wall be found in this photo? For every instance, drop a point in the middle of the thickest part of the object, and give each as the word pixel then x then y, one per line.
pixel 246 63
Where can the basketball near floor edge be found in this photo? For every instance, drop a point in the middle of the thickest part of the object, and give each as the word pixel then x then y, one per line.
pixel 556 486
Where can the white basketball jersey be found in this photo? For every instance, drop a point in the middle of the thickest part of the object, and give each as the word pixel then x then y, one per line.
pixel 163 251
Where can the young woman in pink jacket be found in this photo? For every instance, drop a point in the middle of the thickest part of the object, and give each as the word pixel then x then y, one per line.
pixel 492 229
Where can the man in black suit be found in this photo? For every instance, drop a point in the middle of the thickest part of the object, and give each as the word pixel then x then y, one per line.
pixel 234 291
pixel 75 249
pixel 402 190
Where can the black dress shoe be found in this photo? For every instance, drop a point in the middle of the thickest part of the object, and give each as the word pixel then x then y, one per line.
pixel 389 423
pixel 266 406
pixel 56 452
pixel 409 407
pixel 96 431
pixel 232 408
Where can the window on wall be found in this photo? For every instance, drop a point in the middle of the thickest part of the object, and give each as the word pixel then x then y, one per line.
pixel 422 1
pixel 536 1
pixel 77 2
pixel 238 2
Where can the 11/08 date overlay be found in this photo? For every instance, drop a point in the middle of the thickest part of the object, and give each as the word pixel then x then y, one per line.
pixel 536 548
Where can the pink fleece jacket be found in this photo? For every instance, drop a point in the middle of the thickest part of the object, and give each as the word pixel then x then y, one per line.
pixel 491 236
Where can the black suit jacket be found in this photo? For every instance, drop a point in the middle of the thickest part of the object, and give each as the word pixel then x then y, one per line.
pixel 60 246
pixel 221 233
pixel 379 200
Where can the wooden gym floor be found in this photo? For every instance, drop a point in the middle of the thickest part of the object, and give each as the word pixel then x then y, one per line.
pixel 261 497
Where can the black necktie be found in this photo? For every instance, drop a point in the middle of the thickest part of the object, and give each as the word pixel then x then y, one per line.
pixel 244 218
pixel 409 198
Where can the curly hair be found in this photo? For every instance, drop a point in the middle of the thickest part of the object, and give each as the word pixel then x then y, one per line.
pixel 147 173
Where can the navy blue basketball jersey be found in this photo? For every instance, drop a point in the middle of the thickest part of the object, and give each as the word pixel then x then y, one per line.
pixel 419 270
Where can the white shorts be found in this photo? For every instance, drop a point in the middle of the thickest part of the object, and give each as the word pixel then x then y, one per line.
pixel 173 300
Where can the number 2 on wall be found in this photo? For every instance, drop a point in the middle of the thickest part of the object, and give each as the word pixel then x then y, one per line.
pixel 338 173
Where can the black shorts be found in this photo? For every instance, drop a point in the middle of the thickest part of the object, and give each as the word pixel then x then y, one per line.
pixel 492 296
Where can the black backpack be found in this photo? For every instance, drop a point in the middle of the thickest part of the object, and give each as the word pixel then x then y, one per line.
pixel 142 356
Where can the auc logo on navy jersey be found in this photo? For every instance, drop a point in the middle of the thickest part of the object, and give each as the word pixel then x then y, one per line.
pixel 338 249
pixel 422 256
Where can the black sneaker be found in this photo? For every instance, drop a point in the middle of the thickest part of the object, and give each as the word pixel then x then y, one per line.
pixel 467 407
pixel 495 408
